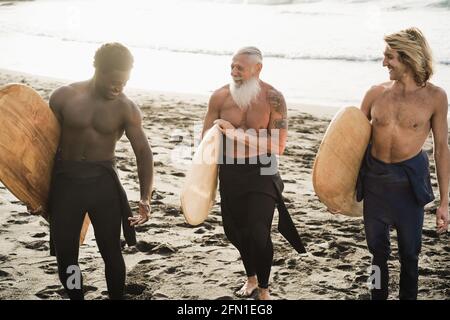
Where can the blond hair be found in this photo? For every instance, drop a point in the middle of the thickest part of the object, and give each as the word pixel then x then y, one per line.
pixel 414 51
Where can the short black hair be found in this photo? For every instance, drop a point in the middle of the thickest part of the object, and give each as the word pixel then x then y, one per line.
pixel 113 56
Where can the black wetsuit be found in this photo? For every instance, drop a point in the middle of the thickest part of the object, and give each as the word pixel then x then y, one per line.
pixel 248 200
pixel 395 195
pixel 94 187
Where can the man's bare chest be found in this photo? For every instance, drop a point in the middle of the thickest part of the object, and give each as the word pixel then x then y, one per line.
pixel 413 113
pixel 256 116
pixel 82 115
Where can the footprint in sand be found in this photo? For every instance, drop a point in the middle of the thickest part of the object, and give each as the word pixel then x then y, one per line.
pixel 171 211
pixel 53 291
pixel 319 252
pixel 200 231
pixel 171 270
pixel 160 296
pixel 135 289
pixel 430 272
pixel 57 292
pixel 145 246
pixel 185 225
pixel 178 174
pixel 145 261
pixel 39 245
pixel 14 221
pixel 429 233
pixel 224 298
pixel 50 268
pixel 4 274
pixel 361 278
pixel 278 262
pixel 143 228
pixel 164 249
pixel 215 239
pixel 345 267
pixel 207 226
pixel 39 235
pixel 154 247
pixel 157 195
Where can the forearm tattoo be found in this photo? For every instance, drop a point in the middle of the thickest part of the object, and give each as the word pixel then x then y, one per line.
pixel 280 124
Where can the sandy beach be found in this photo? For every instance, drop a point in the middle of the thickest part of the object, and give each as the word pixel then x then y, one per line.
pixel 176 261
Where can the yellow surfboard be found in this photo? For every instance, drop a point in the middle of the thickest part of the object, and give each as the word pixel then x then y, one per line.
pixel 29 136
pixel 339 159
pixel 200 186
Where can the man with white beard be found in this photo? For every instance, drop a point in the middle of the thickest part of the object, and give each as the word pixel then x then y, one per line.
pixel 252 116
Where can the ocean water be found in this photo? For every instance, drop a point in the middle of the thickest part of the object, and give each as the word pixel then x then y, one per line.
pixel 324 52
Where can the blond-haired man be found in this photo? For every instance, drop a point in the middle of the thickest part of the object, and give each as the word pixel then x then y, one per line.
pixel 395 178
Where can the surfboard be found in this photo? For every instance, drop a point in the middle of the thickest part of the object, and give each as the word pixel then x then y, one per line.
pixel 339 159
pixel 29 135
pixel 200 186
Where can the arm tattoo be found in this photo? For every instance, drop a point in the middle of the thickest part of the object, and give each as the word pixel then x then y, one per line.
pixel 280 123
pixel 277 103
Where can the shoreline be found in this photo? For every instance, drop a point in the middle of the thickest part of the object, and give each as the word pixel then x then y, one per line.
pixel 293 105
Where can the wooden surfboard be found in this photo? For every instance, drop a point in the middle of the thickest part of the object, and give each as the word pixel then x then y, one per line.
pixel 339 159
pixel 200 186
pixel 29 136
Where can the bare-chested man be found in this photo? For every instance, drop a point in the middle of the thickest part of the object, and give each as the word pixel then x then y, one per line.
pixel 252 115
pixel 93 115
pixel 396 180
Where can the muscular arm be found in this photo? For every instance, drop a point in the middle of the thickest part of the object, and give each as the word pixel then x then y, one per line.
pixel 278 123
pixel 142 150
pixel 213 112
pixel 441 151
pixel 57 99
pixel 368 100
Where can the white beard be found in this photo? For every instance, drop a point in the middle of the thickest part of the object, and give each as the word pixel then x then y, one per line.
pixel 244 94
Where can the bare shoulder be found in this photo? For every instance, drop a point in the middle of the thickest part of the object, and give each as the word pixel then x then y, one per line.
pixel 275 98
pixel 271 90
pixel 64 91
pixel 60 95
pixel 379 89
pixel 375 92
pixel 221 93
pixel 130 108
pixel 438 97
pixel 218 97
pixel 69 90
pixel 436 92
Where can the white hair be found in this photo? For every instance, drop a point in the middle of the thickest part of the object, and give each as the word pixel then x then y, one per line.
pixel 253 52
pixel 245 93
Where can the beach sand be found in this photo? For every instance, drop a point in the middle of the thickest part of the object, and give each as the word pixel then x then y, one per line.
pixel 176 261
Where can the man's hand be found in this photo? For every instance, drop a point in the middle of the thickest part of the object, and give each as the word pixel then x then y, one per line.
pixel 442 219
pixel 231 132
pixel 224 125
pixel 144 214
